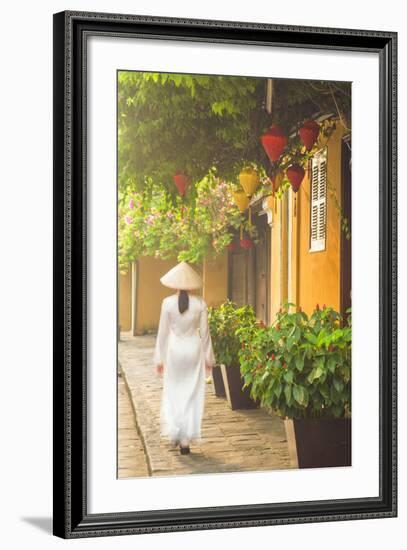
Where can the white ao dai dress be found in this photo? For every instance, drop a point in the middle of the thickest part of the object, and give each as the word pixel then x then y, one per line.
pixel 183 346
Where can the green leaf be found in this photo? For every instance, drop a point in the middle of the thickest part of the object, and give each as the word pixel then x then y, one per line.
pixel 299 362
pixel 299 394
pixel 278 389
pixel 288 376
pixel 311 338
pixel 324 389
pixel 331 364
pixel 316 373
pixel 288 393
pixel 338 383
pixel 265 375
pixel 334 395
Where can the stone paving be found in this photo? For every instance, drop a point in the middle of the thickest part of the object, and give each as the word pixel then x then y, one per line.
pixel 132 460
pixel 232 441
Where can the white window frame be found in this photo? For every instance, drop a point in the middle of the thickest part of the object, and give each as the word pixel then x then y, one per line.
pixel 318 200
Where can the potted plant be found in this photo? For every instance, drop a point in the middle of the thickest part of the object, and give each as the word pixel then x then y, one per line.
pixel 223 324
pixel 300 367
pixel 215 328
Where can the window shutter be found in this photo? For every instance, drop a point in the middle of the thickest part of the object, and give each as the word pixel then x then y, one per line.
pixel 318 200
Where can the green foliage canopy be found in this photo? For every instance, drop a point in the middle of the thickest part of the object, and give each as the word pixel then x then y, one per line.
pixel 202 125
pixel 190 123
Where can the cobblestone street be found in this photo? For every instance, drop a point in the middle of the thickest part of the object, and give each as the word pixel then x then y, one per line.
pixel 132 460
pixel 231 441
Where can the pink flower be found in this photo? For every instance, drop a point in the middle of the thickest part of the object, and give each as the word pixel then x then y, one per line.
pixel 128 220
pixel 131 204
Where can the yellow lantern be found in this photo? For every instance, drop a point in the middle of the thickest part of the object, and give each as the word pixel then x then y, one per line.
pixel 241 199
pixel 249 180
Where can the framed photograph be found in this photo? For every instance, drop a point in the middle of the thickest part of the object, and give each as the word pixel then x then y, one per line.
pixel 225 281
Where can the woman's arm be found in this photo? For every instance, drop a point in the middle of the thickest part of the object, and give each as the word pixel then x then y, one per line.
pixel 162 336
pixel 206 338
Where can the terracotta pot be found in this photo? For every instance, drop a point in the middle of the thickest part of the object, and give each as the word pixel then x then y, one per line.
pixel 218 381
pixel 323 442
pixel 237 397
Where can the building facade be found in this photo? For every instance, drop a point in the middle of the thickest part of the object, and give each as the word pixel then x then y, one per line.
pixel 303 255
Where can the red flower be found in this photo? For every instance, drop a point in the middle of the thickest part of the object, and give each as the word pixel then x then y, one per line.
pixel 317 307
pixel 278 326
pixel 324 306
pixel 243 345
pixel 285 366
pixel 273 357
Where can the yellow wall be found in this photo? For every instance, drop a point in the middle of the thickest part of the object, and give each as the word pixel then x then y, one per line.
pixel 149 292
pixel 125 301
pixel 215 276
pixel 312 277
pixel 318 276
pixel 276 257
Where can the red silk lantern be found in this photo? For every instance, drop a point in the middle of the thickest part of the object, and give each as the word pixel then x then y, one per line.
pixel 295 174
pixel 274 142
pixel 309 132
pixel 246 243
pixel 181 180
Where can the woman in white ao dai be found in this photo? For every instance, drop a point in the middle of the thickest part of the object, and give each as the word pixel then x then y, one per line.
pixel 183 354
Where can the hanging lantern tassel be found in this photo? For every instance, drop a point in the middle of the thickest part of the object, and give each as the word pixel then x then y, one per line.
pixel 295 206
pixel 250 216
pixel 241 231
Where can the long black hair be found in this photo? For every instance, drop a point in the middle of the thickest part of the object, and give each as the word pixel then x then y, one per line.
pixel 183 301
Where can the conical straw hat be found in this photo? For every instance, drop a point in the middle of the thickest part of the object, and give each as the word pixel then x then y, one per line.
pixel 182 277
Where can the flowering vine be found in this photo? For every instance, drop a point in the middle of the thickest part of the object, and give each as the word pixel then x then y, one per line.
pixel 153 222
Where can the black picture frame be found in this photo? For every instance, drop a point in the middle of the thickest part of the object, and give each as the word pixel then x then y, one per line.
pixel 71 518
